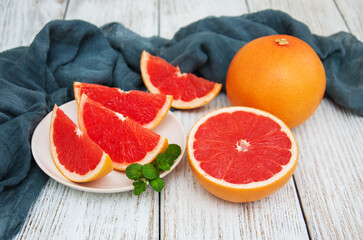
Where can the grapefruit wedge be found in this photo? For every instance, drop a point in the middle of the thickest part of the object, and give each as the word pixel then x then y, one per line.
pixel 123 139
pixel 241 154
pixel 75 155
pixel 148 109
pixel 188 90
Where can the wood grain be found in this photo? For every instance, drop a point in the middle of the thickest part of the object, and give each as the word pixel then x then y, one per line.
pixel 21 20
pixel 139 16
pixel 64 213
pixel 322 17
pixel 176 14
pixel 328 177
pixel 352 13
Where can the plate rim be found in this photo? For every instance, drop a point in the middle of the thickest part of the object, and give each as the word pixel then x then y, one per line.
pixel 78 186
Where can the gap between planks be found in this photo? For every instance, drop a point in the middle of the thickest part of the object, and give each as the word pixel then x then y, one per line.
pixel 66 10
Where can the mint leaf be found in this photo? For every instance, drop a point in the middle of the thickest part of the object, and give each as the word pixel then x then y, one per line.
pixel 157 184
pixel 172 152
pixel 165 160
pixel 139 187
pixel 149 171
pixel 162 162
pixel 134 171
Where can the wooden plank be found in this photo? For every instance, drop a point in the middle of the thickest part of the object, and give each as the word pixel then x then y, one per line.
pixel 322 17
pixel 15 25
pixel 174 15
pixel 190 212
pixel 64 213
pixel 139 16
pixel 328 176
pixel 351 11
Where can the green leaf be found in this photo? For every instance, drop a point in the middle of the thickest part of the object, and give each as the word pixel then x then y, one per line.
pixel 134 171
pixel 149 171
pixel 173 151
pixel 165 160
pixel 139 187
pixel 162 162
pixel 157 184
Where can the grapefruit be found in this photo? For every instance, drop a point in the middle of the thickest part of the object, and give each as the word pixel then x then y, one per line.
pixel 123 139
pixel 75 155
pixel 148 109
pixel 241 154
pixel 188 90
pixel 280 74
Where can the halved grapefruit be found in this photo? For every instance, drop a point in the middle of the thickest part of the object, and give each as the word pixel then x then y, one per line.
pixel 241 154
pixel 188 90
pixel 123 139
pixel 148 109
pixel 75 155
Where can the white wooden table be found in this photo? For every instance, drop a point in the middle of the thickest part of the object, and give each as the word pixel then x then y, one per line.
pixel 323 200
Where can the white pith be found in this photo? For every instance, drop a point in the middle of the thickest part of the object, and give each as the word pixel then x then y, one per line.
pixel 286 168
pixel 120 116
pixel 78 132
pixel 242 145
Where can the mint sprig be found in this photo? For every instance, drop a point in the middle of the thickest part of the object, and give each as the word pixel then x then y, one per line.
pixel 150 172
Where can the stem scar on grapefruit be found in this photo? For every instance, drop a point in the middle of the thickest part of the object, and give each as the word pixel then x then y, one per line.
pixel 279 74
pixel 188 90
pixel 123 139
pixel 241 154
pixel 148 109
pixel 74 154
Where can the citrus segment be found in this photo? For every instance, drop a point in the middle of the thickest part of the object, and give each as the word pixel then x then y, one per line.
pixel 188 90
pixel 123 139
pixel 148 109
pixel 279 74
pixel 241 154
pixel 75 155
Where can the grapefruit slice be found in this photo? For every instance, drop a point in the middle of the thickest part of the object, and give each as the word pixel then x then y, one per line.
pixel 123 139
pixel 148 109
pixel 75 155
pixel 241 154
pixel 188 90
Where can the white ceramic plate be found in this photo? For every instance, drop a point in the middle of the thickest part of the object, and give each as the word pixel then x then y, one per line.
pixel 115 181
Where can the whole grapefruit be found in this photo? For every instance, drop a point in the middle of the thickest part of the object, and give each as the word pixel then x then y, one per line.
pixel 280 74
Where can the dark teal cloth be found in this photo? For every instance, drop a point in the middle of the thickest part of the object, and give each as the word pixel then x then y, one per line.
pixel 34 78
